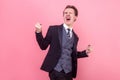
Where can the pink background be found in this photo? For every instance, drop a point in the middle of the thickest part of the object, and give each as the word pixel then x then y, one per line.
pixel 98 24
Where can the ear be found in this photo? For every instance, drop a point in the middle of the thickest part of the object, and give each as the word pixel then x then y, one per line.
pixel 75 18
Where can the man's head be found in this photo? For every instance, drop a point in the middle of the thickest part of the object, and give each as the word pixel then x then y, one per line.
pixel 70 14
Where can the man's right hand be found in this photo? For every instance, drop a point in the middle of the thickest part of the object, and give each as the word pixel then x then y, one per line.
pixel 38 27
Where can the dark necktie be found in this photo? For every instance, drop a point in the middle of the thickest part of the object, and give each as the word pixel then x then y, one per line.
pixel 68 33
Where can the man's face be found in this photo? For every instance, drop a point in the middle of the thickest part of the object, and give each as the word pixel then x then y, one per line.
pixel 69 16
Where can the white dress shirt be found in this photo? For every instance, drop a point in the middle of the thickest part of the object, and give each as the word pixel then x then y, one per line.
pixel 66 29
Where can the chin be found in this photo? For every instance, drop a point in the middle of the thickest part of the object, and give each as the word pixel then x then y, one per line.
pixel 68 24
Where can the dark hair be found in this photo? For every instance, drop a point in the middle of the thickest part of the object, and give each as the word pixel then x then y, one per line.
pixel 73 7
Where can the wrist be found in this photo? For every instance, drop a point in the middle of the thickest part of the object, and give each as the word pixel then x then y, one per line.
pixel 37 31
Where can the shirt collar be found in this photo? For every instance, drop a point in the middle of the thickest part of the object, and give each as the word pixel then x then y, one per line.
pixel 66 27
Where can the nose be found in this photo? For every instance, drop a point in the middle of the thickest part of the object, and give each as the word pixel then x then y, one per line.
pixel 68 13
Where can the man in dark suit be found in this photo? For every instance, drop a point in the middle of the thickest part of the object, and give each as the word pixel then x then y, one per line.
pixel 61 59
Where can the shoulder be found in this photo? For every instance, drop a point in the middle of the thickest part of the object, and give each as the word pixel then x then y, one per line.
pixel 55 26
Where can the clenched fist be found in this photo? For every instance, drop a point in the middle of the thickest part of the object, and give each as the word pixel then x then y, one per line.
pixel 38 27
pixel 88 50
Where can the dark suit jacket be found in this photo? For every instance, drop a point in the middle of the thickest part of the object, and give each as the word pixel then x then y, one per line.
pixel 54 39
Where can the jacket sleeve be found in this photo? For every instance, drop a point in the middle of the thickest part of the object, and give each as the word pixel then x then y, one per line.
pixel 43 41
pixel 82 54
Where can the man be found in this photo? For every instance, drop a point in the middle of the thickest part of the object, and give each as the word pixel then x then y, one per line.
pixel 61 59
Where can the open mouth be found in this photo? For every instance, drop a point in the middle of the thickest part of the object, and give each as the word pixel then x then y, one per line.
pixel 68 18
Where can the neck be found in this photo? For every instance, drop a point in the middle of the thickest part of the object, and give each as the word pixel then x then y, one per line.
pixel 70 26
